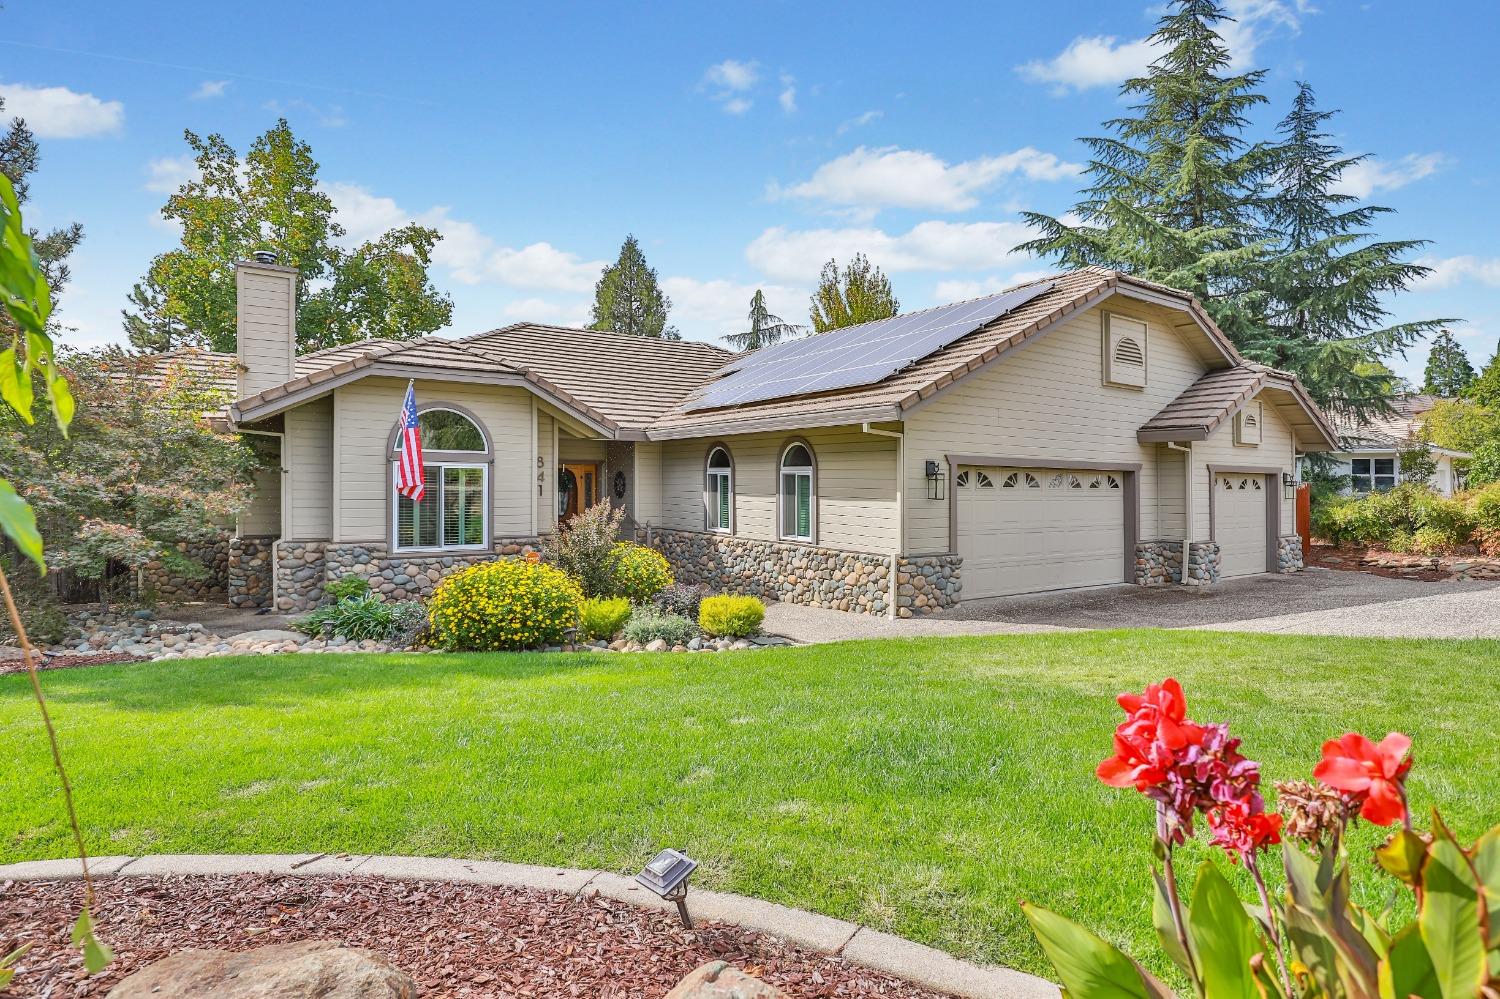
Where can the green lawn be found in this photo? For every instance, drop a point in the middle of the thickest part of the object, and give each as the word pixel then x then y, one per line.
pixel 920 786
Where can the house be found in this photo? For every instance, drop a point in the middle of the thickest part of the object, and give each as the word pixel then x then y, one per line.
pixel 1369 451
pixel 1078 431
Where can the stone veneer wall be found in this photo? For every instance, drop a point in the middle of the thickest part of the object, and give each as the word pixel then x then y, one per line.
pixel 409 576
pixel 301 570
pixel 213 554
pixel 1158 563
pixel 805 574
pixel 1289 553
pixel 248 576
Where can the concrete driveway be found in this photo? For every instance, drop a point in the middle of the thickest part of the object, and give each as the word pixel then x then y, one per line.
pixel 1314 602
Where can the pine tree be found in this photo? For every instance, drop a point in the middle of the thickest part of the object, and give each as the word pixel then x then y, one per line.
pixel 765 329
pixel 861 293
pixel 19 158
pixel 628 299
pixel 1175 192
pixel 1329 282
pixel 1448 371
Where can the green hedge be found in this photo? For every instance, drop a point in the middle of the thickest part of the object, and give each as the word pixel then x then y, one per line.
pixel 730 616
pixel 1412 518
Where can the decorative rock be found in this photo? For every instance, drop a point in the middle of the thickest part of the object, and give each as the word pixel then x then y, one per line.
pixel 308 969
pixel 656 645
pixel 1289 553
pixel 269 635
pixel 1158 563
pixel 721 980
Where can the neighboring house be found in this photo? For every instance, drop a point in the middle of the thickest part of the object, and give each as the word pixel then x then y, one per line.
pixel 1369 452
pixel 1077 432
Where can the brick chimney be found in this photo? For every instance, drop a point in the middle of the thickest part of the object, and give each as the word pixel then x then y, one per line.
pixel 265 319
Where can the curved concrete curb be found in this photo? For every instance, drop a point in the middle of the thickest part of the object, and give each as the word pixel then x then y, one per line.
pixel 857 944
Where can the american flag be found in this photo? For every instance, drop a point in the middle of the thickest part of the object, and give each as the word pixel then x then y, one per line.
pixel 409 468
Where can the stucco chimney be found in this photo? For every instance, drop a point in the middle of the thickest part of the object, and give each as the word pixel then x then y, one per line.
pixel 265 318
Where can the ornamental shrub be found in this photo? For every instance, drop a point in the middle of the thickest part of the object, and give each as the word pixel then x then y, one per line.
pixel 345 587
pixel 584 546
pixel 647 624
pixel 602 617
pixel 636 572
pixel 681 598
pixel 1484 467
pixel 505 604
pixel 731 616
pixel 366 616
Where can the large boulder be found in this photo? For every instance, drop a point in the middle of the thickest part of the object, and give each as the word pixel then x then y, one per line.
pixel 309 969
pixel 721 980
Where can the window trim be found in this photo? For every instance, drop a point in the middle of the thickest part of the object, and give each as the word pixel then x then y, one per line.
pixel 1371 478
pixel 709 521
pixel 441 467
pixel 811 472
pixel 432 457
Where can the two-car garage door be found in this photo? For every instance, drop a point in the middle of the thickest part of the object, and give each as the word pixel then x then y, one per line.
pixel 1021 530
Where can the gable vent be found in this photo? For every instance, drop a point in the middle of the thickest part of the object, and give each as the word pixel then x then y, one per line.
pixel 1247 425
pixel 1127 351
pixel 1124 351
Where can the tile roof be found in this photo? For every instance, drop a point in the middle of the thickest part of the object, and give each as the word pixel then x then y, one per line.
pixel 1392 431
pixel 1208 401
pixel 631 379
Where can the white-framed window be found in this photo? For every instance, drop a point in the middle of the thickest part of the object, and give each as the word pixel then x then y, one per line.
pixel 719 491
pixel 454 510
pixel 1368 475
pixel 798 492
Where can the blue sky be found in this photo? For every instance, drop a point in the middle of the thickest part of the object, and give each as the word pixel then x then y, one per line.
pixel 743 144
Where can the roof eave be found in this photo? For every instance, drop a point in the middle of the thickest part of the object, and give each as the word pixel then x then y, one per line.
pixel 730 426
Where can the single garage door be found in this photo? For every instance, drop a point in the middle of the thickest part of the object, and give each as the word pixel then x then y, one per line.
pixel 1021 530
pixel 1240 523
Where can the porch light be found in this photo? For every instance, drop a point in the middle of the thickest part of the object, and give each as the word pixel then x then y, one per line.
pixel 1288 485
pixel 935 479
pixel 667 877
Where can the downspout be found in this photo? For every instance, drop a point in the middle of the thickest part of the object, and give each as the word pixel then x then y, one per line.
pixel 900 510
pixel 1187 506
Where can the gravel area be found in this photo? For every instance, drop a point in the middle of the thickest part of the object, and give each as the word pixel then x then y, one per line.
pixel 455 940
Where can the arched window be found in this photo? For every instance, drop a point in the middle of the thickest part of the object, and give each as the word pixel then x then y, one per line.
pixel 454 511
pixel 798 493
pixel 718 493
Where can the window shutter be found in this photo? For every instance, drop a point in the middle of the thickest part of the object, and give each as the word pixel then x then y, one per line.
pixel 1124 352
pixel 724 502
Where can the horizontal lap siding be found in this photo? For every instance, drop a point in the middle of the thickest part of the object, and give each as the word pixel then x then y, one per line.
pixel 647 491
pixel 1047 401
pixel 264 319
pixel 367 413
pixel 309 460
pixel 1171 515
pixel 264 515
pixel 856 486
pixel 1274 451
pixel 580 450
pixel 546 499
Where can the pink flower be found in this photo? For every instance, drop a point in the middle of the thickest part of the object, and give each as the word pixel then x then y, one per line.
pixel 1242 828
pixel 1375 774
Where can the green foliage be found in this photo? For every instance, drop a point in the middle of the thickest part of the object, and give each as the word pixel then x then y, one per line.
pixel 1417 463
pixel 1448 372
pixel 1485 389
pixel 361 616
pixel 647 624
pixel 1461 424
pixel 20 156
pixel 602 617
pixel 1484 467
pixel 731 616
pixel 861 293
pixel 628 299
pixel 636 572
pixel 681 598
pixel 505 604
pixel 271 200
pixel 765 329
pixel 346 588
pixel 584 547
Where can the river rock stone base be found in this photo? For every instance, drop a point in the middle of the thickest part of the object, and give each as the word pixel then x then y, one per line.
pixel 249 572
pixel 1289 553
pixel 213 554
pixel 1159 563
pixel 301 571
pixel 858 582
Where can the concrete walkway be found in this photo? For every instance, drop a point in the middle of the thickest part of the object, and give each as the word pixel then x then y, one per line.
pixel 857 944
pixel 1313 602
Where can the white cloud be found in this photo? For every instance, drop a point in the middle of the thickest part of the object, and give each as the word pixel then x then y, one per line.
pixel 1370 175
pixel 329 116
pixel 737 105
pixel 788 96
pixel 858 121
pixel 871 179
pixel 210 89
pixel 470 255
pixel 60 113
pixel 729 81
pixel 723 307
pixel 1449 271
pixel 1106 60
pixel 166 174
pixel 543 310
pixel 792 255
pixel 959 291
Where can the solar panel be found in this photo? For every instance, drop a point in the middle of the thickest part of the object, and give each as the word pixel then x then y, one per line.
pixel 854 355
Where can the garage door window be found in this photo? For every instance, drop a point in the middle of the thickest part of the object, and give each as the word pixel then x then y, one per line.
pixel 1372 474
pixel 797 491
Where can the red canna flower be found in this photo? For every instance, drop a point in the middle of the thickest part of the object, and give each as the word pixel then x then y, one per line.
pixel 1145 743
pixel 1244 827
pixel 1374 774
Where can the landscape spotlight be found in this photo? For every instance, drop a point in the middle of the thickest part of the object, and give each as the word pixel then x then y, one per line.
pixel 667 876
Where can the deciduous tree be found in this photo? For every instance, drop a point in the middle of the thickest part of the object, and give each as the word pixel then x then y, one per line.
pixel 860 293
pixel 628 299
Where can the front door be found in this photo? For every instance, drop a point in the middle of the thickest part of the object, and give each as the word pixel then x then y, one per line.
pixel 577 489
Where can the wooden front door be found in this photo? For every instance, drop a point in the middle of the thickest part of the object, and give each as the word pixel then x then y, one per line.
pixel 577 489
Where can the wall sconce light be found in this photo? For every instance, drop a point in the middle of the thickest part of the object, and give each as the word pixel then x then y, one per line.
pixel 1288 485
pixel 667 876
pixel 935 479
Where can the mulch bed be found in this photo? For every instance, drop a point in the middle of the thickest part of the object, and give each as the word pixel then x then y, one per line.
pixel 72 662
pixel 455 940
pixel 1351 559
